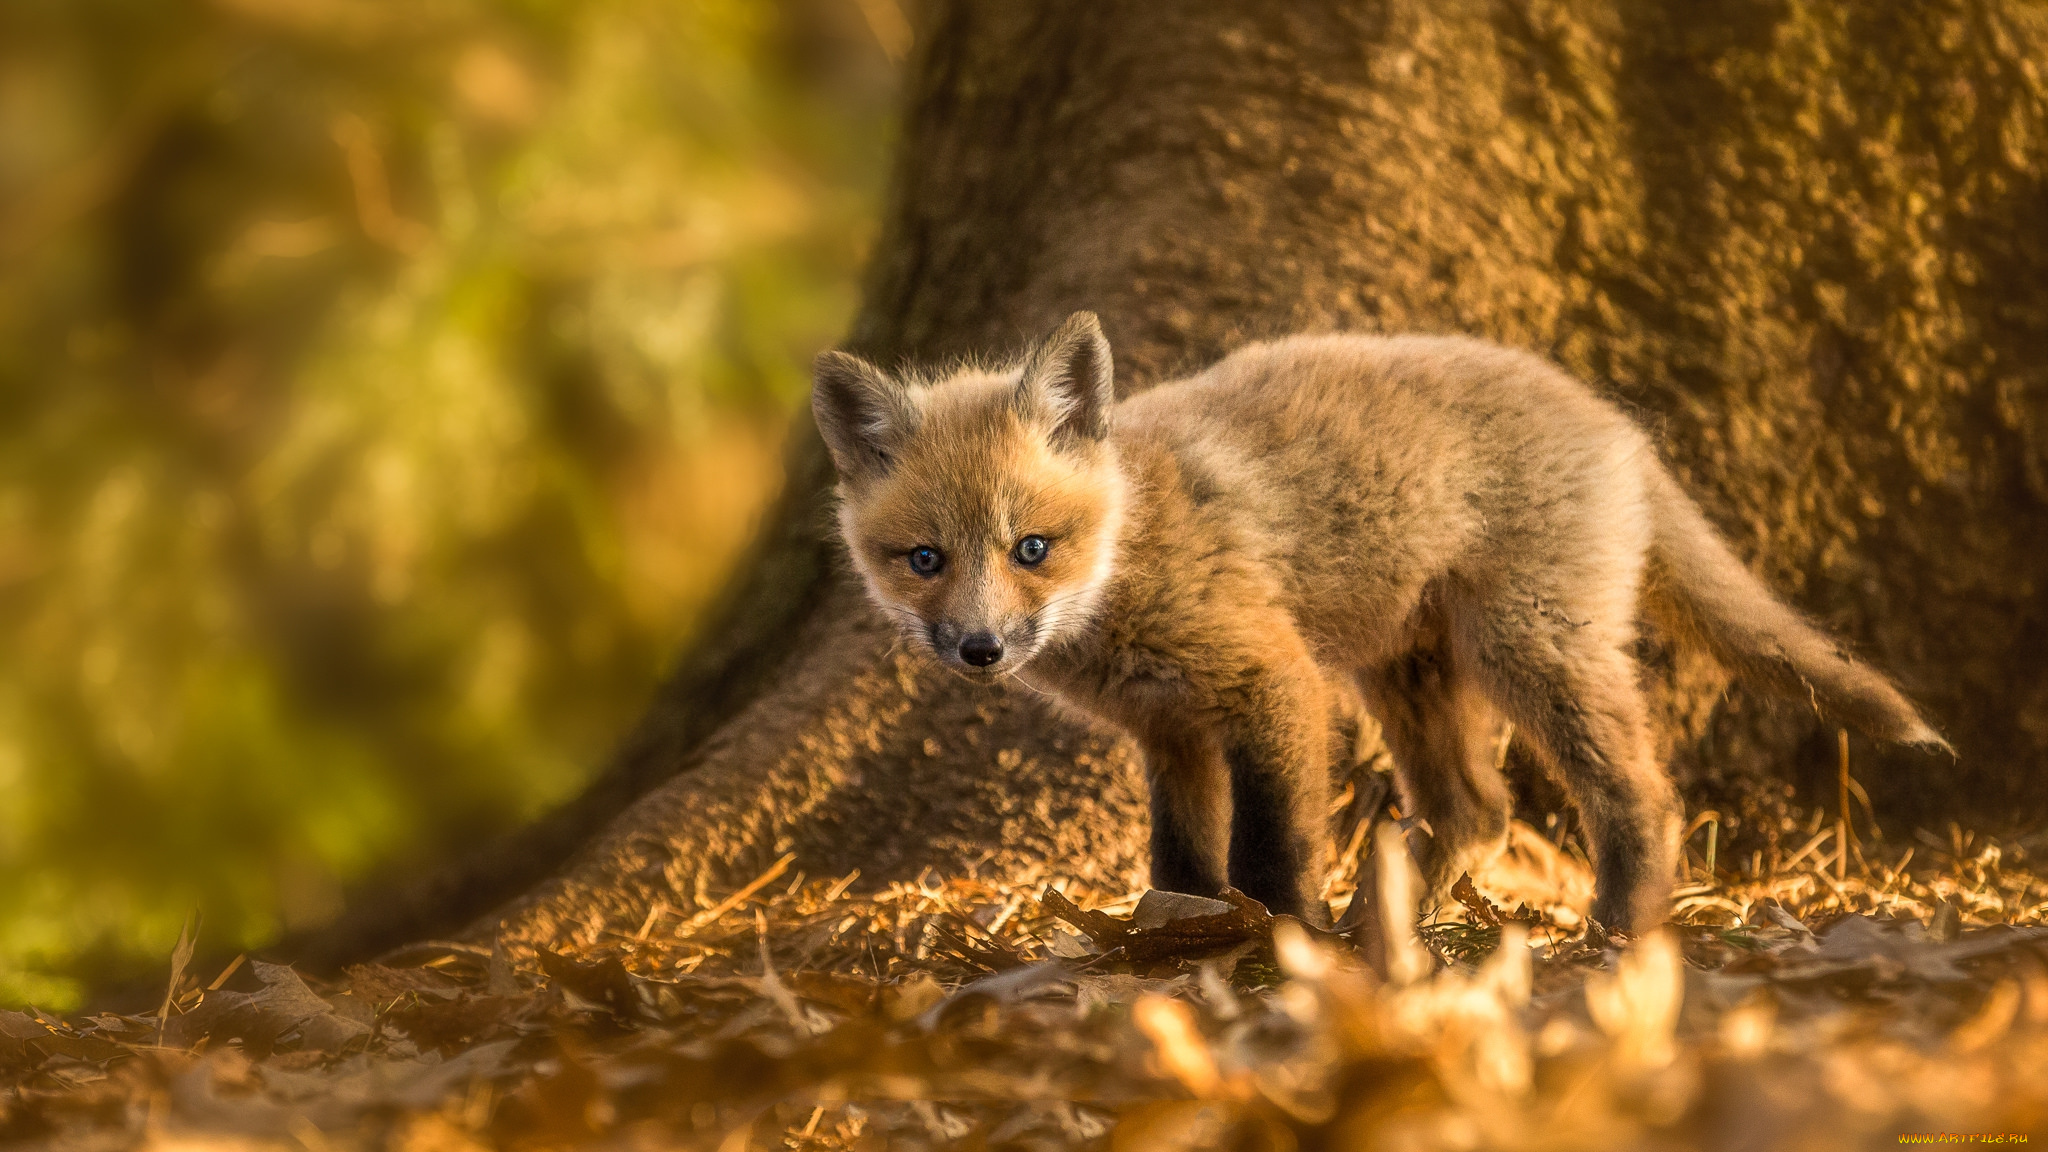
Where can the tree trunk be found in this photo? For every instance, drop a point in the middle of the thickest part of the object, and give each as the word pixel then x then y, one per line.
pixel 1807 243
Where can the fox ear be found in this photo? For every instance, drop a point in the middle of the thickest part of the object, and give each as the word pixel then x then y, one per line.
pixel 862 414
pixel 1069 379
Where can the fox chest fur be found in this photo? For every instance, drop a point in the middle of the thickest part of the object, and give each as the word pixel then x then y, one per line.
pixel 1458 535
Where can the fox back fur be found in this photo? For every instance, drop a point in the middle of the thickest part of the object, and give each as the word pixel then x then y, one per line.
pixel 1456 533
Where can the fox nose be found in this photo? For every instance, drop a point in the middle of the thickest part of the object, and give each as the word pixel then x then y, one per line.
pixel 981 649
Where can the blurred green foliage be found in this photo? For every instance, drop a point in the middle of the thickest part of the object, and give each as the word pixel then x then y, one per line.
pixel 383 389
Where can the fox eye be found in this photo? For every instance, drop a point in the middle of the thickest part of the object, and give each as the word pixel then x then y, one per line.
pixel 926 561
pixel 1030 550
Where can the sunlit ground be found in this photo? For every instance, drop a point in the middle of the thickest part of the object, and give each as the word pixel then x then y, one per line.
pixel 1820 1004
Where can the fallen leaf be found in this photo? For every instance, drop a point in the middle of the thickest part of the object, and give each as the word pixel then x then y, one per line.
pixel 260 1019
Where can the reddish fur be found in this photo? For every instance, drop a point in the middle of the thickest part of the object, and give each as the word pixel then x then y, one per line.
pixel 1456 532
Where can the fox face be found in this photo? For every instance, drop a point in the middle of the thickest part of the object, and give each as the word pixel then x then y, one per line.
pixel 981 510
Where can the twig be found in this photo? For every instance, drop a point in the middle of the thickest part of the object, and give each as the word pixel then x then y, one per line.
pixel 181 955
pixel 711 915
pixel 1711 820
pixel 655 913
pixel 1898 872
pixel 226 972
pixel 839 887
pixel 1818 839
pixel 1845 835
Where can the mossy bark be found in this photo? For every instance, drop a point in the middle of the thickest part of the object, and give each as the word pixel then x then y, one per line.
pixel 1807 243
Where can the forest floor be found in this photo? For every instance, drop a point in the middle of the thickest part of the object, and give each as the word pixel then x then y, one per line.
pixel 1826 999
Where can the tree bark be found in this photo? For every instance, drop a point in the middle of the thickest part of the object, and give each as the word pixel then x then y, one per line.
pixel 1806 243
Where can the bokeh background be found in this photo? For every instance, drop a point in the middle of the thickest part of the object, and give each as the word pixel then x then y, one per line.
pixel 384 389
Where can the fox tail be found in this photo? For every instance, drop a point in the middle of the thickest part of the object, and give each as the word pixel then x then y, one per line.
pixel 1709 595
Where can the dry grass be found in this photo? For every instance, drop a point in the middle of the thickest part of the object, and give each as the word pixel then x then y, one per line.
pixel 1822 1003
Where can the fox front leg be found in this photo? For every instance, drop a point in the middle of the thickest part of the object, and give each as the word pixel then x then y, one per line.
pixel 1190 793
pixel 1276 748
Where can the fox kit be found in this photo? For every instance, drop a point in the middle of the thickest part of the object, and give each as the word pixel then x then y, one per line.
pixel 1455 532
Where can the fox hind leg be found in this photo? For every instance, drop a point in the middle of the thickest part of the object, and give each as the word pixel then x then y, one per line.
pixel 1570 687
pixel 1444 735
